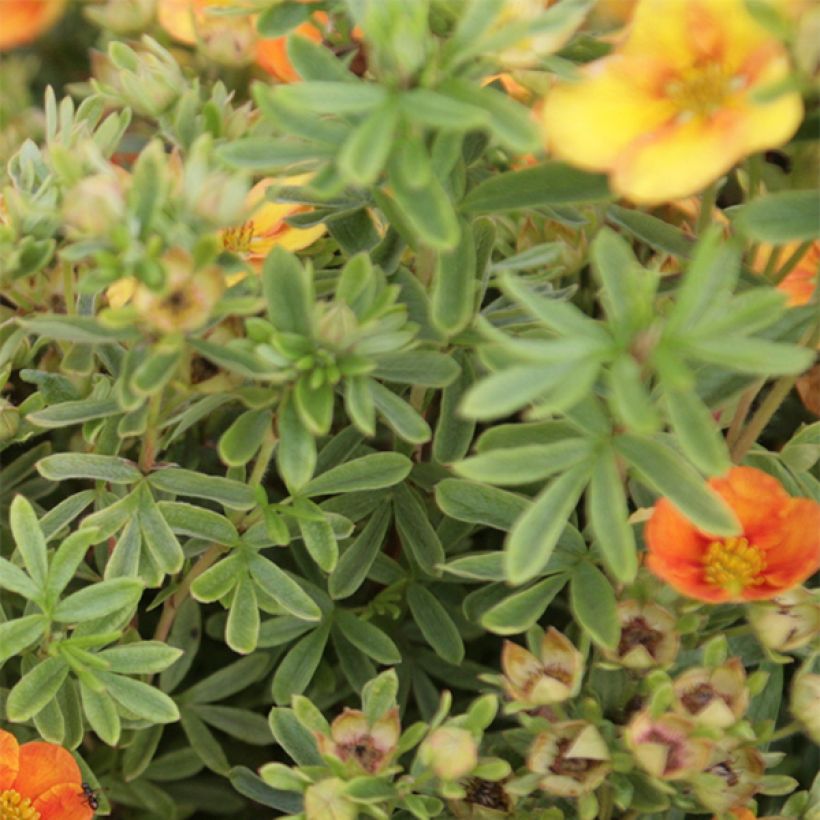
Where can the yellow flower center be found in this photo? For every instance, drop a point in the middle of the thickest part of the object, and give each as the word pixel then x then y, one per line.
pixel 700 91
pixel 734 564
pixel 238 239
pixel 13 806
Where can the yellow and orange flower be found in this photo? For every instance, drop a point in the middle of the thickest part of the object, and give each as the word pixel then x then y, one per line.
pixel 689 93
pixel 778 548
pixel 40 781
pixel 23 21
pixel 801 282
pixel 266 227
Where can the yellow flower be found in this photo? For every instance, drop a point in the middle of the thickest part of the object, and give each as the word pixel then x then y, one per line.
pixel 266 226
pixel 691 91
pixel 186 301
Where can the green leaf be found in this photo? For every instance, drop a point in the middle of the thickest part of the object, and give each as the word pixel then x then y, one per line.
pixel 317 533
pixel 15 580
pixel 79 329
pixel 242 629
pixel 370 472
pixel 297 668
pixel 35 689
pixel 534 535
pixel 441 111
pixel 297 741
pixel 198 522
pixel 754 356
pixel 367 637
pixel 102 714
pixel 523 465
pixel 519 611
pixel 356 560
pixel 629 398
pixel 454 285
pixel 101 599
pixel 156 369
pixel 698 434
pixel 435 624
pixel 314 405
pixel 289 292
pixel 146 702
pixel 283 589
pixel 19 634
pixel 224 491
pixel 650 229
pixel 334 97
pixel 269 154
pixel 313 61
pixel 671 476
pixel 66 559
pixel 218 580
pixel 802 451
pixel 479 504
pixel 454 434
pixel 379 695
pixel 416 532
pixel 157 535
pixel 278 20
pixel 607 512
pixel 63 466
pixel 62 514
pixel 74 412
pixel 399 415
pixel 593 604
pixel 203 742
pixel 785 216
pixel 364 153
pixel 29 539
pixel 551 183
pixel 418 367
pixel 359 404
pixel 239 443
pixel 228 680
pixel 296 451
pixel 140 658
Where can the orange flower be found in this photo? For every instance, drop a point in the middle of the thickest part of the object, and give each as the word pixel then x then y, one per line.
pixel 23 21
pixel 778 548
pixel 801 282
pixel 272 54
pixel 40 781
pixel 688 94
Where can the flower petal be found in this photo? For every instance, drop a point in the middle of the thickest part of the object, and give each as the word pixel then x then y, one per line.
pixel 65 801
pixel 43 766
pixel 756 498
pixel 674 161
pixel 670 534
pixel 9 759
pixel 589 123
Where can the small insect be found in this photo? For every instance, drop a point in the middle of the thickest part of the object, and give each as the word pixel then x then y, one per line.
pixel 90 797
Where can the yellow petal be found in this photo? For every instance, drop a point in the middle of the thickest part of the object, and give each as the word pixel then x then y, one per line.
pixel 591 122
pixel 177 18
pixel 120 292
pixel 676 161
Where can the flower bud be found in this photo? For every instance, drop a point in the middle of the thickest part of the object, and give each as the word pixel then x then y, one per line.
pixel 715 697
pixel 805 703
pixel 665 747
pixel 187 298
pixel 450 752
pixel 572 756
pixel 9 420
pixel 787 622
pixel 326 800
pixel 731 779
pixel 648 636
pixel 553 678
pixel 123 16
pixel 337 325
pixel 94 206
pixel 366 748
pixel 228 41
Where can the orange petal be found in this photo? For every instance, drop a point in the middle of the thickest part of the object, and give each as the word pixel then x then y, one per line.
pixel 9 759
pixel 25 20
pixel 756 498
pixel 669 534
pixel 44 765
pixel 686 578
pixel 591 122
pixel 65 801
pixel 792 545
pixel 272 55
